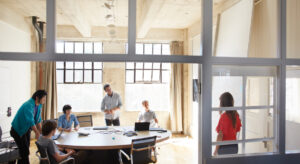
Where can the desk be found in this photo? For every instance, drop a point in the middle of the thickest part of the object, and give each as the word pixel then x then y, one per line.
pixel 112 138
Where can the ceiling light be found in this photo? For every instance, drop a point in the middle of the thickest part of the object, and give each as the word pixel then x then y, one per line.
pixel 108 16
pixel 107 5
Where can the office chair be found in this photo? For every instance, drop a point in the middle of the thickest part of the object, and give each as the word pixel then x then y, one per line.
pixel 141 151
pixel 42 154
pixel 85 121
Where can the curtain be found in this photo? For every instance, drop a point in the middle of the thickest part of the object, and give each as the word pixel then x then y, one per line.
pixel 180 92
pixel 46 72
pixel 176 89
pixel 46 79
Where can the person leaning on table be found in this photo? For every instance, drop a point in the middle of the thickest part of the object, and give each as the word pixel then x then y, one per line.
pixel 28 118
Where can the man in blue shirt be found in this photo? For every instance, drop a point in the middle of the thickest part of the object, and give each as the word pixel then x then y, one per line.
pixel 28 118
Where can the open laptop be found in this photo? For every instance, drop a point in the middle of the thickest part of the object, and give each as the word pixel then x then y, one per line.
pixel 141 126
pixel 57 136
pixel 100 128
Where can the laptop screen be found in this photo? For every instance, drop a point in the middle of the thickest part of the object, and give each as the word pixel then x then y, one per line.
pixel 141 126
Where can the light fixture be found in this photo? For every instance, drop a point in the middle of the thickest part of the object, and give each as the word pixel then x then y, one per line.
pixel 107 5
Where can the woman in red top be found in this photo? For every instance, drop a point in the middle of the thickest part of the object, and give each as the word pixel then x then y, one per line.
pixel 228 126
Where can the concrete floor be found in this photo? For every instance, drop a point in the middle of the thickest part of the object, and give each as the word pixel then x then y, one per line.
pixel 179 149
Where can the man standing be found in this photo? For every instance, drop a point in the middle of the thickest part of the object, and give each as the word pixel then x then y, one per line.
pixel 28 118
pixel 110 105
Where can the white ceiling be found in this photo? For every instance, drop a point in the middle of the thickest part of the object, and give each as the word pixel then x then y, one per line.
pixel 84 14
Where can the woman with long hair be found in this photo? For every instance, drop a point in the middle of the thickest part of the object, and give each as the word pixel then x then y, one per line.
pixel 229 125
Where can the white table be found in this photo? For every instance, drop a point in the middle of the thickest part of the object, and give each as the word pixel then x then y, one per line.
pixel 112 138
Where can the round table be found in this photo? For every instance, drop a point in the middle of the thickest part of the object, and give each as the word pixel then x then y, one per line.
pixel 112 138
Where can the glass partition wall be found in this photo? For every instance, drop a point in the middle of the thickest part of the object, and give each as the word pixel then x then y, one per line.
pixel 255 73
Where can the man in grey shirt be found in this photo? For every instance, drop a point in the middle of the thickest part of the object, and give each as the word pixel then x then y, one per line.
pixel 110 105
pixel 148 115
pixel 45 141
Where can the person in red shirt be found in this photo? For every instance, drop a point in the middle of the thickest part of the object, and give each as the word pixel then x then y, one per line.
pixel 229 125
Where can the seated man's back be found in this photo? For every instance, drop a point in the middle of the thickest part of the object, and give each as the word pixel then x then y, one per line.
pixel 50 146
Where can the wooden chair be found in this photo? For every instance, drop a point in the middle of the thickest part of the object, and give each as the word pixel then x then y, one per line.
pixel 85 120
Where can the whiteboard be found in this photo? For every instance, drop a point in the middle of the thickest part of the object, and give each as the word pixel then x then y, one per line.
pixel 234 30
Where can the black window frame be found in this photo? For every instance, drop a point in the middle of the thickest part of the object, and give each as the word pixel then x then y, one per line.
pixel 83 69
pixel 143 69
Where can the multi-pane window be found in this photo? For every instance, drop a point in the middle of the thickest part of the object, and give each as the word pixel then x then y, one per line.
pixel 79 72
pixel 148 72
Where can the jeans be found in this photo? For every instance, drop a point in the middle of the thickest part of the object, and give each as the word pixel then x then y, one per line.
pixel 115 122
pixel 23 144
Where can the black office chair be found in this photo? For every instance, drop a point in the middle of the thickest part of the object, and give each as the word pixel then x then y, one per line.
pixel 143 151
pixel 85 120
pixel 55 119
pixel 42 154
pixel 10 151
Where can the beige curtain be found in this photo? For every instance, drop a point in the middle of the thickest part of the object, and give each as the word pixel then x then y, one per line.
pixel 45 78
pixel 46 72
pixel 176 89
pixel 180 92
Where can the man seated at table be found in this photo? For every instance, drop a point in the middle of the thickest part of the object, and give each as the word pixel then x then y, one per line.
pixel 56 154
pixel 147 115
pixel 66 120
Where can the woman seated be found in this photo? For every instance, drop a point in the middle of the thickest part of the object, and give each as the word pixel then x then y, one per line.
pixel 66 120
pixel 228 127
pixel 147 115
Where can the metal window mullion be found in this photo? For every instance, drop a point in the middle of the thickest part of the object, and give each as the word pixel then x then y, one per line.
pixel 241 108
pixel 51 27
pixel 73 72
pixel 131 27
pixel 243 141
pixel 275 115
pixel 244 114
pixel 205 139
pixel 282 76
pixel 83 73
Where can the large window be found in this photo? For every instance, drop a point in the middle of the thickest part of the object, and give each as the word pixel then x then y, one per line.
pixel 144 80
pixel 77 81
pixel 79 72
pixel 253 91
pixel 292 108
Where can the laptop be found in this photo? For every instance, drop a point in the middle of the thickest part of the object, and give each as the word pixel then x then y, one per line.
pixel 57 136
pixel 141 126
pixel 100 128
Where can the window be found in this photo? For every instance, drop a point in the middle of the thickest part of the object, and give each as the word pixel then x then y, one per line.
pixel 253 91
pixel 145 79
pixel 292 109
pixel 79 72
pixel 146 72
pixel 77 81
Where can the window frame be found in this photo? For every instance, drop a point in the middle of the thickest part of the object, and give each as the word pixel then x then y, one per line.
pixel 246 72
pixel 206 61
pixel 134 69
pixel 83 69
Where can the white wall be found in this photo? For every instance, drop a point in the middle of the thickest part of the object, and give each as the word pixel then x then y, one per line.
pixel 13 39
pixel 15 77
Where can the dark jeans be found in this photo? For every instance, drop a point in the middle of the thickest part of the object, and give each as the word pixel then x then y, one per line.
pixel 23 144
pixel 228 149
pixel 115 122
